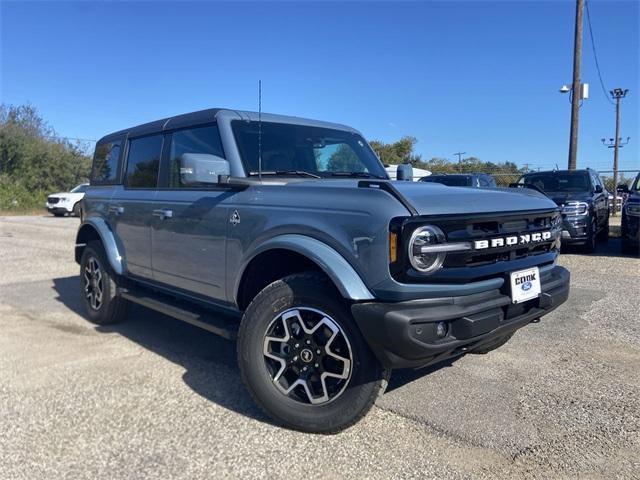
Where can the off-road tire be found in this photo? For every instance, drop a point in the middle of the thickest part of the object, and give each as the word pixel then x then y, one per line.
pixel 112 307
pixel 492 346
pixel 367 377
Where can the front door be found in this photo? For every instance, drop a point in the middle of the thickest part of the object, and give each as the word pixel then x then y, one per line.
pixel 189 226
pixel 189 239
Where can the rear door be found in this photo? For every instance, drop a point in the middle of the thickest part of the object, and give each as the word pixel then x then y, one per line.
pixel 131 206
pixel 189 230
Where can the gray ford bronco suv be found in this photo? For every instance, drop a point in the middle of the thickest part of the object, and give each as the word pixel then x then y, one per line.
pixel 287 234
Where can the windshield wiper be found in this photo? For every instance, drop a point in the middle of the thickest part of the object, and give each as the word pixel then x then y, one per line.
pixel 355 174
pixel 300 173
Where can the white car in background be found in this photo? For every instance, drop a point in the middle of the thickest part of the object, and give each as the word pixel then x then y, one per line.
pixel 67 203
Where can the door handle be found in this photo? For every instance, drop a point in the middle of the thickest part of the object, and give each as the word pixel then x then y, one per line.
pixel 116 210
pixel 163 213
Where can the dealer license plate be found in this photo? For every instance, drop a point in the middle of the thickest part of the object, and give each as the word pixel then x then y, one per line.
pixel 525 285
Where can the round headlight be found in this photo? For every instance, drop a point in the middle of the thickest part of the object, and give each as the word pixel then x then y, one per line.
pixel 426 262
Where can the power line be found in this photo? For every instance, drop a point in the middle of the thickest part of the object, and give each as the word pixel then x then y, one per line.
pixel 595 56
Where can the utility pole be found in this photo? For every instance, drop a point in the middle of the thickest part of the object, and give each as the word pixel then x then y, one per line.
pixel 459 154
pixel 617 94
pixel 576 90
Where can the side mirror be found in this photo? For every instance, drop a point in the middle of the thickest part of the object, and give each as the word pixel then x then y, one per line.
pixel 404 172
pixel 623 188
pixel 198 168
pixel 598 189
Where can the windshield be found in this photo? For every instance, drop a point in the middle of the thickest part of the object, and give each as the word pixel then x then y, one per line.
pixel 79 189
pixel 558 181
pixel 289 149
pixel 449 180
pixel 636 184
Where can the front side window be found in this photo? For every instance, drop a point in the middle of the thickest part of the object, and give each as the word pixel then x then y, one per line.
pixel 105 162
pixel 143 162
pixel 305 150
pixel 193 140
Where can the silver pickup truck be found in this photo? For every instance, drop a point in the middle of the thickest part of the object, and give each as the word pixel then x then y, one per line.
pixel 287 234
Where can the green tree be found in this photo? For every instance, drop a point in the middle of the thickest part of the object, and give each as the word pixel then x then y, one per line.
pixel 33 162
pixel 397 152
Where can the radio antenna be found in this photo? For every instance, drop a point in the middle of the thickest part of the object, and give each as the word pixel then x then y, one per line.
pixel 260 130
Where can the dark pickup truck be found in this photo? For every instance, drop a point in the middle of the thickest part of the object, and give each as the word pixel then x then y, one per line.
pixel 583 200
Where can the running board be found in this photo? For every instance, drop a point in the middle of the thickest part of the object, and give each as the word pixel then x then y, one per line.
pixel 209 320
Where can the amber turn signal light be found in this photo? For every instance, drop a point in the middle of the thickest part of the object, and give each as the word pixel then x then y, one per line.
pixel 393 247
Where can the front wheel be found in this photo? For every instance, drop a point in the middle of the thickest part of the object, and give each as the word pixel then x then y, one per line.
pixel 304 360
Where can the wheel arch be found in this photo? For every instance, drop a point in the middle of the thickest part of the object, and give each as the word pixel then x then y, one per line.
pixel 288 254
pixel 97 229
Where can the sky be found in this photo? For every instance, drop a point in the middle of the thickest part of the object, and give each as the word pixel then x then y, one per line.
pixel 477 77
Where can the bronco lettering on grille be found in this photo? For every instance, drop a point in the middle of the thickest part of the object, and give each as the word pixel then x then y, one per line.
pixel 510 240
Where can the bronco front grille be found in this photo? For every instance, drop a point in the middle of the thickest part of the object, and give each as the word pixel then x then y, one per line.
pixel 477 264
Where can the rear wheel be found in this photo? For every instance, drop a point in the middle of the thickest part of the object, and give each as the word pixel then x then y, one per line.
pixel 98 287
pixel 77 210
pixel 304 360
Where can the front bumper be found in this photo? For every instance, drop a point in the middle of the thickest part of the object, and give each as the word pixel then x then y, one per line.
pixel 403 334
pixel 58 208
pixel 575 229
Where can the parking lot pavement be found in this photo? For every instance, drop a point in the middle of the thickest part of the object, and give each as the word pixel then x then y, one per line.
pixel 156 398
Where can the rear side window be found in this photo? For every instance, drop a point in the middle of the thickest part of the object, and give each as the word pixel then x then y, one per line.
pixel 192 140
pixel 143 162
pixel 105 163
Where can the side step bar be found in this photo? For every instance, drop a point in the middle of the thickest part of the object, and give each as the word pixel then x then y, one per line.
pixel 209 320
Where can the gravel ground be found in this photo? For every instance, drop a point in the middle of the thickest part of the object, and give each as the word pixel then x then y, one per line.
pixel 156 398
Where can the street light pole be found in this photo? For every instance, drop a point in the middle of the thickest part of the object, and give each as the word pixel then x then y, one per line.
pixel 576 89
pixel 617 94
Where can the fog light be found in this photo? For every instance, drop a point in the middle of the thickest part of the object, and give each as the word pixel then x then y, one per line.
pixel 441 329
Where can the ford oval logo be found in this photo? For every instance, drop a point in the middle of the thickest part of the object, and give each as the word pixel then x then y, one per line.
pixel 526 286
